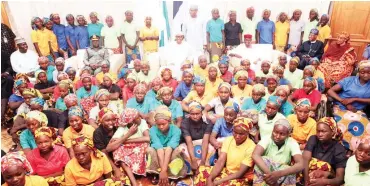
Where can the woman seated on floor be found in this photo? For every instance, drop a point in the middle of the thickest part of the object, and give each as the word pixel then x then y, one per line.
pixel 309 71
pixel 16 170
pixel 303 125
pixel 42 83
pixel 234 165
pixel 128 90
pixel 213 80
pixel 269 116
pixel 132 135
pixel 198 94
pixel 109 83
pixel 34 120
pixel 273 157
pixel 86 93
pixel 48 159
pixel 252 114
pixel 140 102
pixel 89 164
pixel 162 158
pixel 241 90
pixel 256 101
pixel 154 86
pixel 283 91
pixel 102 99
pixel 185 85
pixel 358 166
pixel 16 99
pixel 324 156
pixel 219 103
pixel 164 97
pixel 271 83
pixel 308 91
pixel 195 138
pixel 351 96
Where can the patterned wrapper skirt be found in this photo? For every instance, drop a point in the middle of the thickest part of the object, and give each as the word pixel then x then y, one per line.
pixel 205 172
pixel 112 182
pixel 87 104
pixel 176 168
pixel 354 126
pixel 133 156
pixel 314 165
pixel 56 181
pixel 132 54
pixel 289 180
pixel 211 154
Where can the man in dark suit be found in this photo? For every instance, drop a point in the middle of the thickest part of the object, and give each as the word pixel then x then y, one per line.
pixel 310 49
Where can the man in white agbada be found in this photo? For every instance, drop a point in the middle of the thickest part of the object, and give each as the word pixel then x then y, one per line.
pixel 176 54
pixel 194 30
pixel 24 60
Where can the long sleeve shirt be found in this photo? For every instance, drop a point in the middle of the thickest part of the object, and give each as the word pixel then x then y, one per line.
pixel 311 48
pixel 194 30
pixel 93 56
pixel 24 62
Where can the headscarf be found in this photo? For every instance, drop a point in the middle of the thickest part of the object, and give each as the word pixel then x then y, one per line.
pixel 338 136
pixel 103 113
pixel 226 85
pixel 303 102
pixel 128 116
pixel 241 73
pixel 199 79
pixel 224 60
pixel 60 60
pixel 33 25
pixel 81 17
pixel 46 131
pixel 53 15
pixel 37 101
pixel 132 76
pixel 156 81
pixel 123 72
pixel 276 100
pixel 266 10
pixel 162 113
pixel 62 75
pixel 166 70
pixel 16 158
pixel 346 35
pixel 296 10
pixel 111 77
pixel 285 88
pixel 311 80
pixel 285 123
pixel 251 114
pixel 188 71
pixel 313 59
pixel 30 91
pixel 37 72
pixel 311 68
pixel 39 116
pixel 266 62
pixel 75 111
pixel 277 67
pixel 273 77
pixel 69 15
pixel 94 14
pixel 244 123
pixel 141 87
pixel 45 20
pixel 162 90
pixel 100 93
pixel 281 13
pixel 17 84
pixel 295 60
pixel 82 140
pixel 316 11
pixel 259 88
pixel 364 64
pixel 233 105
pixel 70 98
pixel 194 105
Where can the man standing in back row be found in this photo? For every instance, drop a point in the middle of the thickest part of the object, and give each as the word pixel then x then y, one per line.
pixel 249 25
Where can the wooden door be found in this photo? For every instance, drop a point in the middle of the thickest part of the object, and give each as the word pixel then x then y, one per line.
pixel 354 18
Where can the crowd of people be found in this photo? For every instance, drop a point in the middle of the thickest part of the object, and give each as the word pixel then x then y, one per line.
pixel 301 121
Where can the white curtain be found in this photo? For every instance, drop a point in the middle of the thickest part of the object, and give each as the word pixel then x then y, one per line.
pixel 21 13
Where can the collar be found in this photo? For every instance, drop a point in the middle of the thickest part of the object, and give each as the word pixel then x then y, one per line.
pixel 196 125
pixel 313 41
pixel 79 168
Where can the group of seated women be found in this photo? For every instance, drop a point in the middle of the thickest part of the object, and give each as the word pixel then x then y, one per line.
pixel 219 126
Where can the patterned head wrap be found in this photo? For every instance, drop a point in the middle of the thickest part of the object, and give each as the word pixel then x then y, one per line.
pixel 45 20
pixel 60 60
pixel 62 76
pixel 313 59
pixel 162 113
pixel 132 76
pixel 333 126
pixel 311 80
pixel 277 67
pixel 346 35
pixel 162 90
pixel 295 60
pixel 199 79
pixel 85 141
pixel 37 73
pixel 276 100
pixel 37 101
pixel 195 106
pixel 241 73
pixel 285 88
pixel 17 84
pixel 30 91
pixel 75 111
pixel 104 112
pixel 86 75
pixel 46 131
pixel 259 88
pixel 251 114
pixel 141 87
pixel 273 77
pixel 303 102
pixel 233 105
pixel 16 159
pixel 285 123
pixel 39 116
pixel 111 77
pixel 166 70
pixel 311 68
pixel 244 123
pixel 128 116
pixel 123 72
pixel 187 71
pixel 224 60
pixel 226 85
pixel 100 93
pixel 33 25
pixel 364 64
pixel 78 17
pixel 70 98
pixel 156 81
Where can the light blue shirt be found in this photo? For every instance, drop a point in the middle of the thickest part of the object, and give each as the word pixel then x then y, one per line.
pixel 82 93
pixel 175 108
pixel 141 107
pixel 266 30
pixel 59 104
pixel 352 88
pixel 215 28
pixel 94 29
pixel 158 140
pixel 220 128
pixel 182 90
pixel 250 104
pixel 27 140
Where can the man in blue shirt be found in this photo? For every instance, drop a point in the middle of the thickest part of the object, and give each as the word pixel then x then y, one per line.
pixel 215 34
pixel 70 35
pixel 266 30
pixel 59 31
